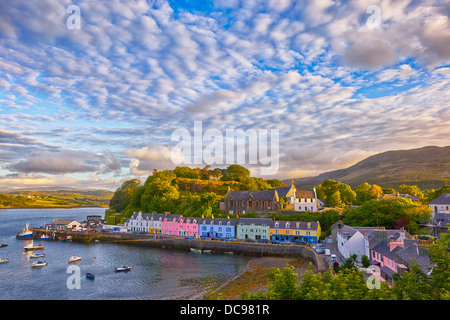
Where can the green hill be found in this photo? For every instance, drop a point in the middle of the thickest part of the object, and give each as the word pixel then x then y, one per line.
pixel 427 167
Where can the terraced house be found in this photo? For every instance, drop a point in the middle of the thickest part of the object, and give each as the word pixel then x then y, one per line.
pixel 253 228
pixel 145 222
pixel 308 232
pixel 219 227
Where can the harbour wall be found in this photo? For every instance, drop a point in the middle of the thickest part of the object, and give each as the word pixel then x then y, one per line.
pixel 174 242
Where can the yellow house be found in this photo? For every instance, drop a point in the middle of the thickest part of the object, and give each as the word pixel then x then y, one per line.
pixel 308 232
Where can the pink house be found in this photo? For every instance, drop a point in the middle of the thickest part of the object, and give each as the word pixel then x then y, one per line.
pixel 188 227
pixel 384 255
pixel 169 225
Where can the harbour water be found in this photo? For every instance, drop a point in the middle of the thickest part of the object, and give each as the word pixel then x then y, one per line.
pixel 156 273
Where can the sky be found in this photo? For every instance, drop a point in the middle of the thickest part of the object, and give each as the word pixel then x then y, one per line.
pixel 94 104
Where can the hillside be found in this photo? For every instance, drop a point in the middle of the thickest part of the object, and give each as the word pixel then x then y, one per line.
pixel 427 167
pixel 60 198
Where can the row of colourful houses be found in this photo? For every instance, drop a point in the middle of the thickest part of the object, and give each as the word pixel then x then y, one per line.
pixel 241 229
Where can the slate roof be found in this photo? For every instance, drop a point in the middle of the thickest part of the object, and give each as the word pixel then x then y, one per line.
pixel 282 191
pixel 255 195
pixel 302 225
pixel 442 199
pixel 255 221
pixel 216 221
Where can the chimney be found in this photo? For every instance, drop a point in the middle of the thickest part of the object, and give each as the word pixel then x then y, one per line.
pixel 394 244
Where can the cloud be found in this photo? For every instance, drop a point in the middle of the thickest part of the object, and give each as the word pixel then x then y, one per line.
pixel 146 159
pixel 67 161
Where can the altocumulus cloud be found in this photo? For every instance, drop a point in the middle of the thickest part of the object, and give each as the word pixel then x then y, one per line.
pixel 137 70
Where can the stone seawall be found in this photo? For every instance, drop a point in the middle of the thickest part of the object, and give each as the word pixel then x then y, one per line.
pixel 173 242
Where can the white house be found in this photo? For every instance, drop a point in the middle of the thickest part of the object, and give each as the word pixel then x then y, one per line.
pixel 145 222
pixel 306 200
pixel 359 240
pixel 441 204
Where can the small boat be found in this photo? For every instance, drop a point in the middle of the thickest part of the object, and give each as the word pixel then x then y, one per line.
pixel 66 239
pixel 37 255
pixel 31 247
pixel 124 268
pixel 4 260
pixel 90 276
pixel 206 251
pixel 74 258
pixel 3 245
pixel 25 233
pixel 45 237
pixel 196 250
pixel 39 264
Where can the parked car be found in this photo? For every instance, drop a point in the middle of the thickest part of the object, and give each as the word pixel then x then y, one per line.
pixel 333 258
pixel 274 242
pixel 249 240
pixel 299 242
pixel 320 250
pixel 284 242
pixel 263 241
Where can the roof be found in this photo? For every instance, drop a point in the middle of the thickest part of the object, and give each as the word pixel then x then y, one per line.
pixel 442 199
pixel 415 252
pixel 383 248
pixel 255 195
pixel 283 191
pixel 299 225
pixel 350 231
pixel 64 221
pixel 302 194
pixel 216 221
pixel 255 221
pixel 171 217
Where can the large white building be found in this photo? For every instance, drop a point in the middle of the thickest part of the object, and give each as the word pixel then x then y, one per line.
pixel 441 204
pixel 306 200
pixel 145 222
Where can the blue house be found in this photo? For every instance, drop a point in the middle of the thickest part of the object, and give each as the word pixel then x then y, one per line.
pixel 220 227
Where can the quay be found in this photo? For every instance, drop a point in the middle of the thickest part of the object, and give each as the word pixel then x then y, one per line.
pixel 182 243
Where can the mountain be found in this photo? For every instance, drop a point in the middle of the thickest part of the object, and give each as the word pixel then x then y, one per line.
pixel 427 167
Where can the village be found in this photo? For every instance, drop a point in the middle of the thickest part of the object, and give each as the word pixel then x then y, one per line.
pixel 379 251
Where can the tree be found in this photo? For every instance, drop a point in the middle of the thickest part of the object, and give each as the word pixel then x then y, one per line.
pixel 365 261
pixel 411 190
pixel 122 196
pixel 366 192
pixel 328 190
pixel 235 172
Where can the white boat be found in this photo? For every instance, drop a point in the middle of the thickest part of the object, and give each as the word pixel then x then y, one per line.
pixel 39 264
pixel 37 255
pixel 74 258
pixel 196 250
pixel 4 260
pixel 31 247
pixel 124 268
pixel 25 233
pixel 45 237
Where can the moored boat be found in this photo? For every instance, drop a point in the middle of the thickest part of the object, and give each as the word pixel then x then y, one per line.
pixel 66 239
pixel 124 268
pixel 45 237
pixel 25 233
pixel 74 258
pixel 4 260
pixel 90 276
pixel 37 255
pixel 31 247
pixel 3 245
pixel 196 250
pixel 39 264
